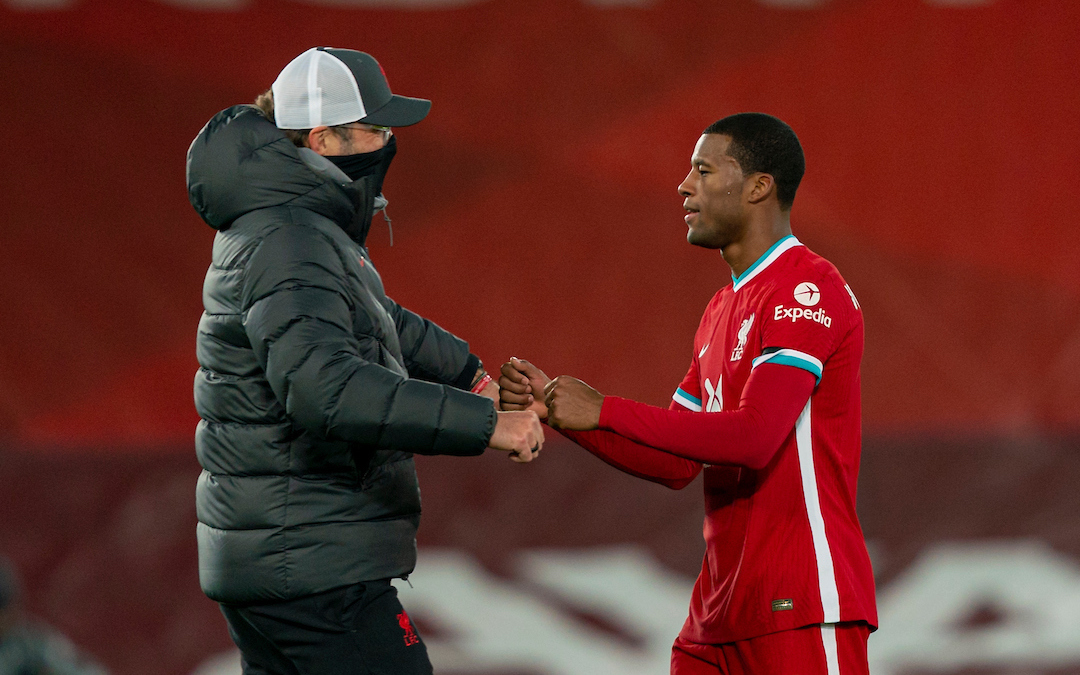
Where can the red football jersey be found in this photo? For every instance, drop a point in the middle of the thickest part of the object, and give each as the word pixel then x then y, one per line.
pixel 784 545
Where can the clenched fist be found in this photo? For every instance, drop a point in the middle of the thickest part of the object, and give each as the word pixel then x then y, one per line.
pixel 521 387
pixel 519 433
pixel 572 404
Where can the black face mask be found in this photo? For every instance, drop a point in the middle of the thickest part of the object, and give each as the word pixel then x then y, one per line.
pixel 367 171
pixel 365 163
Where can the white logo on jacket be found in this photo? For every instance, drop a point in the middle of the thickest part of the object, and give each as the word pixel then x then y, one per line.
pixel 744 333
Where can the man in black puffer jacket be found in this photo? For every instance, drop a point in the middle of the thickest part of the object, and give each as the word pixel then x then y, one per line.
pixel 315 388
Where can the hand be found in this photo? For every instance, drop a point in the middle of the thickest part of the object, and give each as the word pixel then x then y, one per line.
pixel 519 433
pixel 572 404
pixel 521 387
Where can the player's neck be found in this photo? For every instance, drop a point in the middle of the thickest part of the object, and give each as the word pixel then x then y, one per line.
pixel 758 239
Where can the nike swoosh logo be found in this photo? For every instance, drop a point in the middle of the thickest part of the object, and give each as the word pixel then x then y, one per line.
pixel 702 352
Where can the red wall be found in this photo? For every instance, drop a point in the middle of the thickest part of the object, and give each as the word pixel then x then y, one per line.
pixel 536 209
pixel 536 214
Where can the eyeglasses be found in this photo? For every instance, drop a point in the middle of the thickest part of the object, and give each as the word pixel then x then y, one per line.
pixel 386 132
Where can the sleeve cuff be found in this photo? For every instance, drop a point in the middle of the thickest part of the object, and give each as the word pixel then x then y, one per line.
pixel 687 401
pixel 464 380
pixel 792 357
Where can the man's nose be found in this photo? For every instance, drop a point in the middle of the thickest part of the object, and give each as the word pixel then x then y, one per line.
pixel 684 186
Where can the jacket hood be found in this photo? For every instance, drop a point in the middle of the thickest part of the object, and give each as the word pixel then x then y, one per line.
pixel 241 162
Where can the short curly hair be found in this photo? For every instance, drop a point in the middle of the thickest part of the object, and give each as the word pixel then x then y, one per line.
pixel 761 143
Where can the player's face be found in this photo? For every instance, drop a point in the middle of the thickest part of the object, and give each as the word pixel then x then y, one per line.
pixel 712 194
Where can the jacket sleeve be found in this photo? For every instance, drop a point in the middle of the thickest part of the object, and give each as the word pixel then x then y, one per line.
pixel 298 317
pixel 431 352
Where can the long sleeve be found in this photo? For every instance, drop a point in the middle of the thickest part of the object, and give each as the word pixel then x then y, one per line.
pixel 431 352
pixel 636 459
pixel 750 436
pixel 299 322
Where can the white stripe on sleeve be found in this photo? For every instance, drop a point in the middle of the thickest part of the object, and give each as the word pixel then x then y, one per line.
pixel 686 400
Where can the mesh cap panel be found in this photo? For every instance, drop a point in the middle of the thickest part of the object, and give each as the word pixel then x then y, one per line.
pixel 316 89
pixel 326 86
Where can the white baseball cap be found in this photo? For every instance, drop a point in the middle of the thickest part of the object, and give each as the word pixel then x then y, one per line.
pixel 326 86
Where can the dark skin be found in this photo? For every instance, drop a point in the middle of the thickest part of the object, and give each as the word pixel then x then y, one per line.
pixel 738 214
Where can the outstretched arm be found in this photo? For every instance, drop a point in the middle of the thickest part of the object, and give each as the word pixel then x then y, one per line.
pixel 637 459
pixel 518 379
pixel 434 354
pixel 431 352
pixel 299 323
pixel 773 398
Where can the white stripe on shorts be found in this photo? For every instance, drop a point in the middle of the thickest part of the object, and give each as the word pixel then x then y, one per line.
pixel 828 639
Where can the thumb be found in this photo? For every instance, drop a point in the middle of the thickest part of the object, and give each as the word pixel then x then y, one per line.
pixel 524 367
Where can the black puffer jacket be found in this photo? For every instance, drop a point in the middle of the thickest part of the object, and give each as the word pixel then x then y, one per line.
pixel 312 388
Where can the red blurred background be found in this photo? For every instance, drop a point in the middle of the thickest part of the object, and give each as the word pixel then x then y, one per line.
pixel 536 214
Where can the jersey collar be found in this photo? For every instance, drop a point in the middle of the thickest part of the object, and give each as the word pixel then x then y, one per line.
pixel 774 252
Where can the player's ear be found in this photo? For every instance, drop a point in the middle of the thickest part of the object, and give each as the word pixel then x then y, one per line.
pixel 761 186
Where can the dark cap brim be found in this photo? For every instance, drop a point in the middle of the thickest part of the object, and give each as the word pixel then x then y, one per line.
pixel 399 111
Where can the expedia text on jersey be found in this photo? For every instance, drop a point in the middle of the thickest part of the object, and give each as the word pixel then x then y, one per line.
pixel 796 313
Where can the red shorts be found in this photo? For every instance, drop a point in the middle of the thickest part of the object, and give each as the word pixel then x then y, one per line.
pixel 827 649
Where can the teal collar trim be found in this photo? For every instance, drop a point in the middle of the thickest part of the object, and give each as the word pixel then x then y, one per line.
pixel 774 252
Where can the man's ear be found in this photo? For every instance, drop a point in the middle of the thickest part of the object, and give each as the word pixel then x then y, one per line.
pixel 316 139
pixel 761 186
